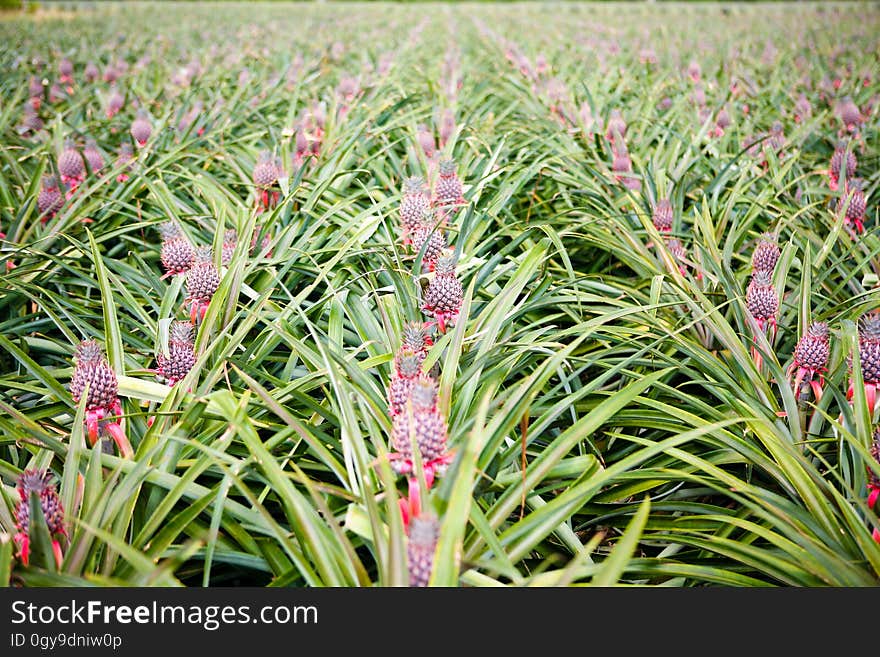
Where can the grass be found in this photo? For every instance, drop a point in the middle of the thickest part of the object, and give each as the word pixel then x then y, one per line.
pixel 608 421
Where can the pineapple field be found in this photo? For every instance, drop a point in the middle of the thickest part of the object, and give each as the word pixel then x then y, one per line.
pixel 519 294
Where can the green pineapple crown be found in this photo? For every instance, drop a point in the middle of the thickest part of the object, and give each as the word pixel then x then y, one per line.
pixel 204 254
pixel 869 326
pixel 33 481
pixel 762 278
pixel 446 263
pixel 818 330
pixel 414 185
pixel 424 393
pixel 447 167
pixel 424 530
pixel 416 335
pixel 88 351
pixel 181 332
pixel 169 230
pixel 407 362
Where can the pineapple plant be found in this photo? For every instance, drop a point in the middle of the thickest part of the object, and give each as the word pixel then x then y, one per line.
pixel 125 161
pixel 811 358
pixel 420 422
pixel 177 253
pixel 230 239
pixel 417 336
pixel 447 127
pixel 49 200
pixel 874 479
pixel 426 141
pixel 803 109
pixel 414 203
pixel 93 156
pixel 65 70
pixel 762 303
pixel 766 253
pixel 181 355
pixel 38 482
pixel 423 534
pixel 448 190
pixel 445 293
pixel 202 281
pixel 407 367
pixel 431 238
pixel 141 128
pixel 615 130
pixel 36 91
pixel 853 204
pixel 266 172
pixel 71 166
pixel 849 114
pixel 761 298
pixel 114 104
pixel 91 72
pixel 722 122
pixel 842 160
pixel 663 215
pixel 103 407
pixel 869 358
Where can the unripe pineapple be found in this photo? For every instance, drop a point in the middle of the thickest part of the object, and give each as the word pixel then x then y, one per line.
pixel 422 421
pixel 761 297
pixel 869 353
pixel 840 156
pixel 663 215
pixel 114 103
pixel 407 366
pixel 265 171
pixel 124 159
pixel 445 293
pixel 849 113
pixel 141 128
pixel 855 204
pixel 65 69
pixel 70 163
pixel 177 253
pixel 31 121
pixel 426 141
pixel 49 200
pixel 91 72
pixel 447 126
pixel 202 281
pixel 616 129
pixel 766 253
pixel 230 239
pixel 92 368
pixel 35 87
pixel 449 188
pixel 869 327
pixel 424 532
pixel 802 109
pixel 181 356
pixel 413 205
pixel 93 156
pixel 38 481
pixel 873 478
pixel 777 137
pixel 722 120
pixel 812 350
pixel 436 242
pixel 417 336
